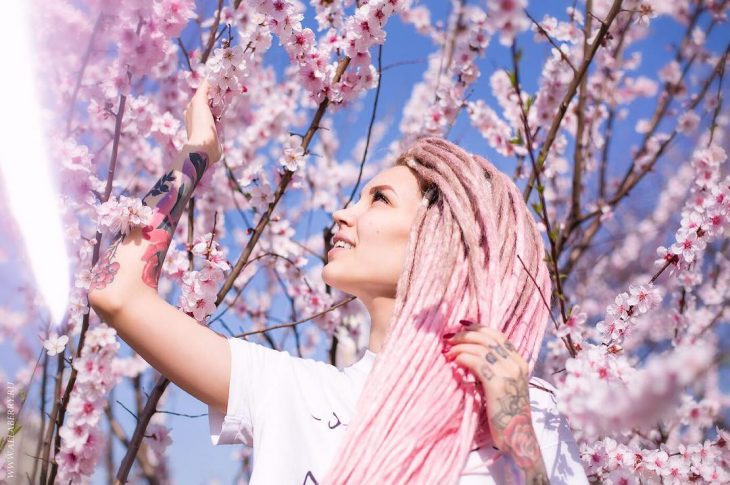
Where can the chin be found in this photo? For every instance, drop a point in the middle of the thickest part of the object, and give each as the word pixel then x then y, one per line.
pixel 334 281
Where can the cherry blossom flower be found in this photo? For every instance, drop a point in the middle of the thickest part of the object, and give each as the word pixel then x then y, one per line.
pixel 123 214
pixel 643 297
pixel 293 158
pixel 55 344
pixel 688 122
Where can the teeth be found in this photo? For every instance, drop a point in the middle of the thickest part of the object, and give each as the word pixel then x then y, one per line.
pixel 343 244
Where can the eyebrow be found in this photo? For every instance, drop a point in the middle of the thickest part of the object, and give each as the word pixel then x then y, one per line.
pixel 382 186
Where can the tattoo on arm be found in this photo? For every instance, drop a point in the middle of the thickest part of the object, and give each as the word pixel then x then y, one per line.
pixel 518 436
pixel 167 198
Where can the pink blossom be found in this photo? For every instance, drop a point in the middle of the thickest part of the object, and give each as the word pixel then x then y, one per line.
pixel 655 460
pixel 85 410
pixel 646 13
pixel 643 297
pixel 620 306
pixel 507 18
pixel 293 158
pixel 687 122
pixel 671 73
pixel 158 437
pixel 55 344
pixel 687 245
pixel 123 214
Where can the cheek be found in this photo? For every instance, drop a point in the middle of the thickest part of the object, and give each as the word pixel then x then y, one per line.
pixel 380 232
pixel 384 245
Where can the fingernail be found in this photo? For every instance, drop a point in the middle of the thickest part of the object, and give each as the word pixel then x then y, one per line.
pixel 448 335
pixel 466 322
pixel 446 349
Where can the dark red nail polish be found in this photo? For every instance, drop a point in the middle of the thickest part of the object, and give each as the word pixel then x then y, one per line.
pixel 466 322
pixel 446 349
pixel 448 335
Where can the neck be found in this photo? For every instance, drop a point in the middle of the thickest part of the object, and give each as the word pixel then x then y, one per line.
pixel 380 309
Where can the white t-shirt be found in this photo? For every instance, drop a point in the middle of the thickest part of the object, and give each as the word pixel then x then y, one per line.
pixel 294 412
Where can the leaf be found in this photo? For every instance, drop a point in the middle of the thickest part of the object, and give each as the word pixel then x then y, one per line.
pixel 529 103
pixel 554 234
pixel 512 78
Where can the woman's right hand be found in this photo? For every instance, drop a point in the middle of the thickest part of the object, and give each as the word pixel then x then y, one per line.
pixel 200 124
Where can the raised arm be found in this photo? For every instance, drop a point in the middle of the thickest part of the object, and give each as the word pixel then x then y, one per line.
pixel 123 288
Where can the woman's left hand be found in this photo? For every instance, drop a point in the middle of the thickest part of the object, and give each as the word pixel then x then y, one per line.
pixel 503 374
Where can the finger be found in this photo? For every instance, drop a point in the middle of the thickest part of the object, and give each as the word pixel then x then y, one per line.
pixel 201 92
pixel 474 349
pixel 499 349
pixel 481 333
pixel 473 335
pixel 203 87
pixel 480 367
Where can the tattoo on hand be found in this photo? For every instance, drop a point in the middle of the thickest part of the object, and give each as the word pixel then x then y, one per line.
pixel 486 372
pixel 167 198
pixel 518 436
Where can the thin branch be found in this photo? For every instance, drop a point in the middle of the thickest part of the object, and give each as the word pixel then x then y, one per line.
pixel 82 69
pixel 290 324
pixel 542 31
pixel 572 88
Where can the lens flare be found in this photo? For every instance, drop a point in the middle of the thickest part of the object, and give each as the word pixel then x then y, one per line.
pixel 31 192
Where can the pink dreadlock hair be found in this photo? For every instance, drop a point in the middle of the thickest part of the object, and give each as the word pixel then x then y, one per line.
pixel 416 419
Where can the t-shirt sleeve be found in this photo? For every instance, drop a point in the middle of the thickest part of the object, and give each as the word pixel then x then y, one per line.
pixel 254 369
pixel 560 452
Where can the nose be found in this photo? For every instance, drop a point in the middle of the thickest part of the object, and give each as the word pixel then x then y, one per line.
pixel 342 217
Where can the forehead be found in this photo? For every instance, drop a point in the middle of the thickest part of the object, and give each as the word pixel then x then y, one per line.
pixel 399 177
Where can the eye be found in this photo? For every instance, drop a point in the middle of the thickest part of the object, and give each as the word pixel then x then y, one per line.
pixel 378 194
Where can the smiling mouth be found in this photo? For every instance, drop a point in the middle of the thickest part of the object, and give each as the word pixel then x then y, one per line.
pixel 338 249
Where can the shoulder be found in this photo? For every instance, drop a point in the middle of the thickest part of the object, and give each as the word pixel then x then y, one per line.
pixel 546 419
pixel 542 393
pixel 559 449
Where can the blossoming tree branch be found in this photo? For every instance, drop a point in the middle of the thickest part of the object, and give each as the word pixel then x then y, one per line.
pixel 622 159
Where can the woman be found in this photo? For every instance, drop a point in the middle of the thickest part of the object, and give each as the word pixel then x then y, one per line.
pixel 444 255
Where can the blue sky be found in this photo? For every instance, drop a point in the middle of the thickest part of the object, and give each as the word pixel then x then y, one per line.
pixel 194 459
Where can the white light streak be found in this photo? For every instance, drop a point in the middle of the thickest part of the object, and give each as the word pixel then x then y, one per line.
pixel 24 162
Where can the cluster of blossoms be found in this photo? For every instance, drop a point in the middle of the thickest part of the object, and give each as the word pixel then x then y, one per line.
pixel 122 215
pixel 82 441
pixel 200 288
pixel 623 312
pixel 142 47
pixel 359 32
pixel 508 18
pixel 706 215
pixel 637 397
pixel 497 133
pixel 436 101
pixel 227 69
pixel 618 463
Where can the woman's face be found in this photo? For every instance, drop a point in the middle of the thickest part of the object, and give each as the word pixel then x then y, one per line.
pixel 378 225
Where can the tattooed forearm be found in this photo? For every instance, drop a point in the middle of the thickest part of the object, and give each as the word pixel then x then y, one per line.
pixel 167 198
pixel 517 437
